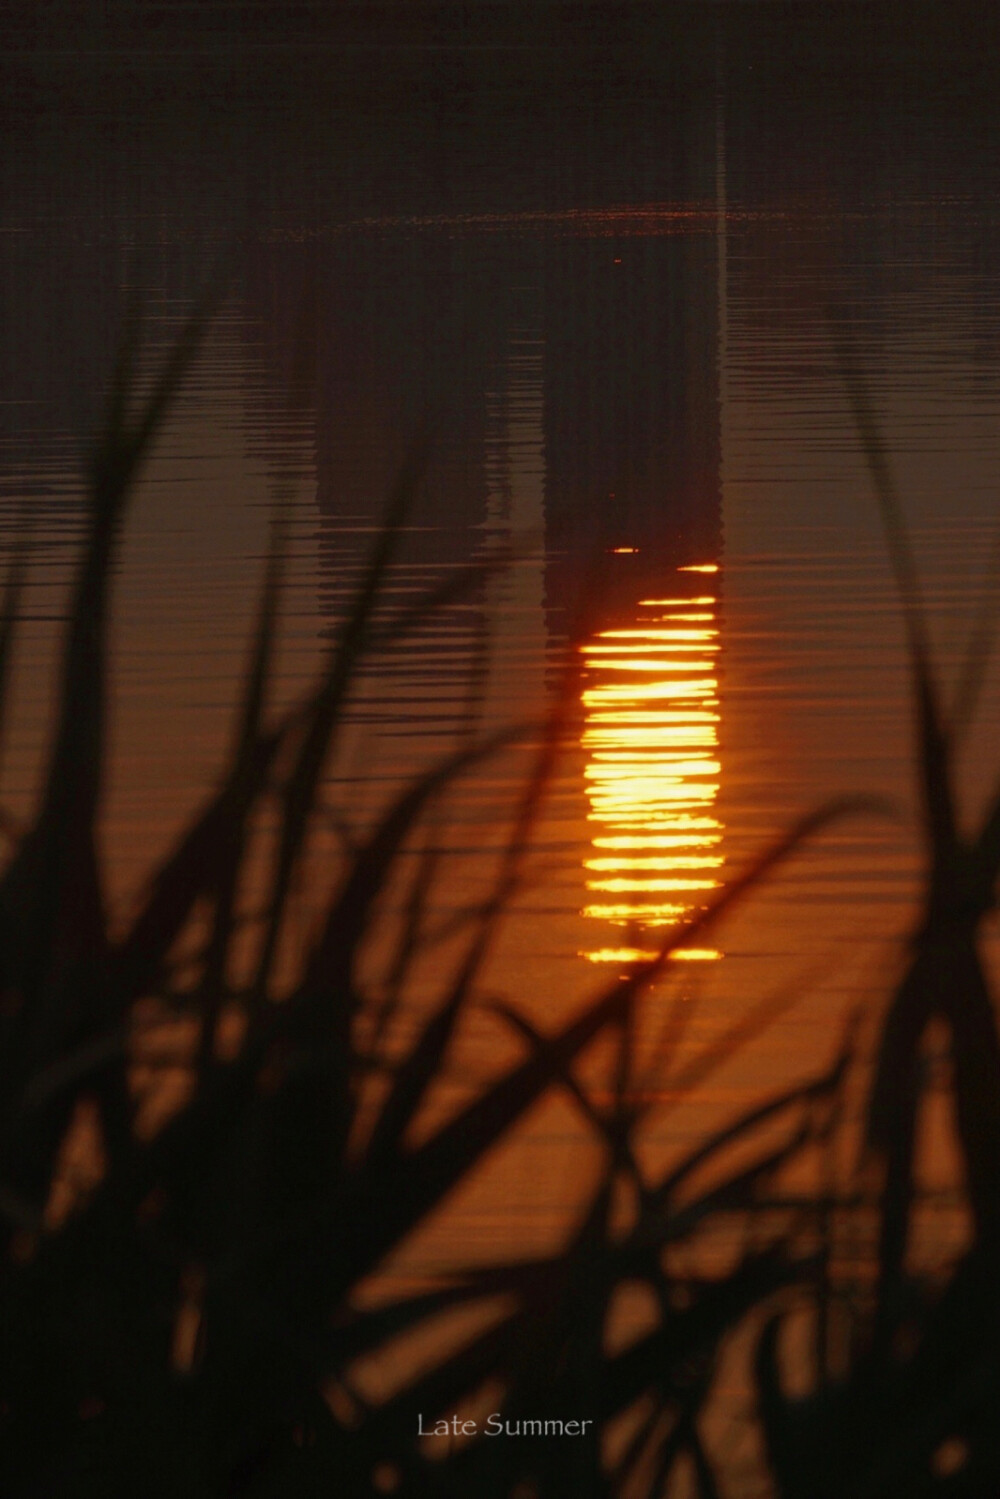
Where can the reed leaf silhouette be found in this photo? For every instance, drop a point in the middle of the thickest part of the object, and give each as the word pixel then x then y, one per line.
pixel 188 1321
pixel 914 1408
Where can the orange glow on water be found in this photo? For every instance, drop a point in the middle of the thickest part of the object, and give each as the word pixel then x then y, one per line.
pixel 652 773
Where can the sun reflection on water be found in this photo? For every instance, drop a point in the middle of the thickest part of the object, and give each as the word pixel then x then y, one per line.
pixel 652 776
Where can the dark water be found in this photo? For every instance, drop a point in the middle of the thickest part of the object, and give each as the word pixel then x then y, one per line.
pixel 599 265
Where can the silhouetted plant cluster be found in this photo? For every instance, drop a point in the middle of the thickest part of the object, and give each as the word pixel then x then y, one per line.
pixel 183 1318
pixel 906 1391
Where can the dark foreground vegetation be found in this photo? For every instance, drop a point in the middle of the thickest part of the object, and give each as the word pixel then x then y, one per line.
pixel 181 1318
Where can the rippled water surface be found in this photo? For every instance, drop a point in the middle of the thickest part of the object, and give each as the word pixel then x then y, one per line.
pixel 611 300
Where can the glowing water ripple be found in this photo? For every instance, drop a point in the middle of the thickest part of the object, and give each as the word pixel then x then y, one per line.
pixel 652 774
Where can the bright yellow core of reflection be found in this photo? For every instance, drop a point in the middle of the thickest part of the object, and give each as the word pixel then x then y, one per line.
pixel 652 776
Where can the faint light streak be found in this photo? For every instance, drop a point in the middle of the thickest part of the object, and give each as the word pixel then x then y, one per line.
pixel 705 599
pixel 649 691
pixel 624 955
pixel 623 886
pixel 704 636
pixel 657 665
pixel 692 861
pixel 651 914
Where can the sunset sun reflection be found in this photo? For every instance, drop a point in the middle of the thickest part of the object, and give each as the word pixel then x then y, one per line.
pixel 652 776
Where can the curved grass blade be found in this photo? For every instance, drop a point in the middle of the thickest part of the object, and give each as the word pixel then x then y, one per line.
pixel 301 792
pixel 934 744
pixel 13 592
pixel 247 737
